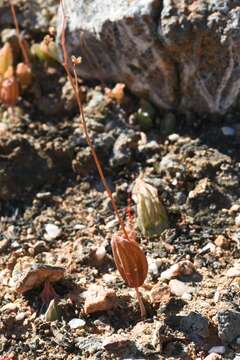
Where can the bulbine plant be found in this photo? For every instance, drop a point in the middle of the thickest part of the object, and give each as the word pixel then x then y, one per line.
pixel 152 217
pixel 13 80
pixel 131 263
pixel 130 260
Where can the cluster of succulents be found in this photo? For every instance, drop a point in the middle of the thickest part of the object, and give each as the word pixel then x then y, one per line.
pixel 46 50
pixel 14 79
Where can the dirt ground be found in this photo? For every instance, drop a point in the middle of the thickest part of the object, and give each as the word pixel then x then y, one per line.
pixel 47 176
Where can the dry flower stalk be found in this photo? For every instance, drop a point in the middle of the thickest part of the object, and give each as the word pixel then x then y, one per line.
pixel 20 41
pixel 138 268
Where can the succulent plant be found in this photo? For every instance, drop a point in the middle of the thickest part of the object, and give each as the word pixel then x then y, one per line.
pixel 52 312
pixel 152 217
pixel 131 263
pixel 6 58
pixel 47 50
pixel 24 75
pixel 9 91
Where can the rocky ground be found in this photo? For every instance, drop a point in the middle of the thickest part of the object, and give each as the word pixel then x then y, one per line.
pixel 54 211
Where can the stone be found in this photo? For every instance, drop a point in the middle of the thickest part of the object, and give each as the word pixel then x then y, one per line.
pixel 213 356
pixel 222 242
pixel 167 52
pixel 10 307
pixel 179 288
pixel 228 325
pixel 194 324
pixel 228 131
pixel 233 271
pixel 184 267
pixel 237 220
pixel 76 323
pixel 160 294
pixel 99 299
pixel 27 275
pixel 126 142
pixel 217 349
pixel 52 231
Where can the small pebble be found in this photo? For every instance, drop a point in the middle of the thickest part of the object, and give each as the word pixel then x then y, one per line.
pixel 173 137
pixel 213 356
pixel 52 231
pixel 20 316
pixel 184 267
pixel 8 307
pixel 77 323
pixel 43 195
pixel 79 227
pixel 179 288
pixel 111 224
pixel 210 247
pixel 233 271
pixel 186 296
pixel 228 131
pixel 98 298
pixel 237 220
pixel 217 349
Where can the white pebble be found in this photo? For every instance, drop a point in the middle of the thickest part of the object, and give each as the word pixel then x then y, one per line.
pixel 237 220
pixel 217 349
pixel 52 231
pixel 228 131
pixel 111 224
pixel 76 323
pixel 173 137
pixel 186 296
pixel 79 227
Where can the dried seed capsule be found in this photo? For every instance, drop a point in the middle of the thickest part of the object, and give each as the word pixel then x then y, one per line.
pixel 152 218
pixel 24 75
pixel 130 260
pixel 9 91
pixel 6 58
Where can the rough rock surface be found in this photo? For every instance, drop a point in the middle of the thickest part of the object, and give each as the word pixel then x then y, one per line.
pixel 181 55
pixel 228 325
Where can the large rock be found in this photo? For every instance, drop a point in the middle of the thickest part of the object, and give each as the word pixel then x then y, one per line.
pixel 180 54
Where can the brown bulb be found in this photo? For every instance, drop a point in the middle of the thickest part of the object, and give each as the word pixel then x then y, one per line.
pixel 130 260
pixel 6 58
pixel 24 75
pixel 9 91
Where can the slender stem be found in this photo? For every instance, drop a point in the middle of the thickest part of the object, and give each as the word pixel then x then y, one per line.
pixel 81 111
pixel 142 307
pixel 24 52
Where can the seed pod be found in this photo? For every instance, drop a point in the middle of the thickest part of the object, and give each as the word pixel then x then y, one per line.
pixel 9 91
pixel 24 75
pixel 130 260
pixel 6 58
pixel 152 217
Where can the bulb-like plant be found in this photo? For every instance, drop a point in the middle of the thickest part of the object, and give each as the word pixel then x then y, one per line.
pixel 9 91
pixel 47 50
pixel 152 217
pixel 131 263
pixel 140 267
pixel 24 75
pixel 6 58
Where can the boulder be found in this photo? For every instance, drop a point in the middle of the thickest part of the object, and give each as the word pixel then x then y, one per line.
pixel 182 55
